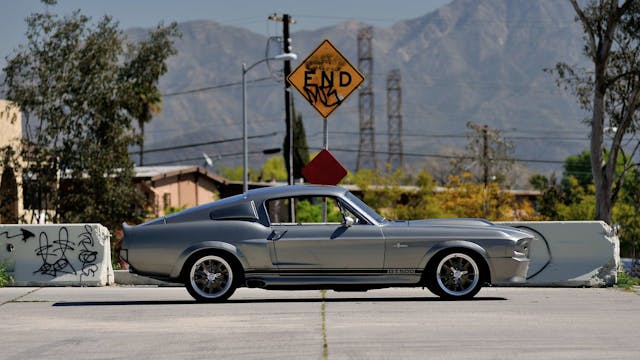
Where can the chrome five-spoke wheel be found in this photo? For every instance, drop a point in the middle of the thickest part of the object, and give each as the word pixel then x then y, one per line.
pixel 457 276
pixel 210 278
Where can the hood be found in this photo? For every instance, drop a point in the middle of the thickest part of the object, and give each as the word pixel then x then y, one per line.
pixel 450 222
pixel 475 225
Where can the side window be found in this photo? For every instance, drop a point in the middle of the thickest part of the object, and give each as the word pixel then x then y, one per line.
pixel 278 211
pixel 307 210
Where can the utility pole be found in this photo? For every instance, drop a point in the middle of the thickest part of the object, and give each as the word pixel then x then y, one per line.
pixel 286 48
pixel 484 131
pixel 286 41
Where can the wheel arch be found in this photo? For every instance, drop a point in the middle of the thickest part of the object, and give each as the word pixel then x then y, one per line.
pixel 473 249
pixel 233 253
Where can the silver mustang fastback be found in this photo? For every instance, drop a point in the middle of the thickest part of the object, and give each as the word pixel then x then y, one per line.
pixel 320 237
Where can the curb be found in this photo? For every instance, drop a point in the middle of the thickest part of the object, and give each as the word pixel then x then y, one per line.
pixel 124 277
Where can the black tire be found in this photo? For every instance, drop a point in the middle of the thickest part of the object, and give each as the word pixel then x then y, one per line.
pixel 210 277
pixel 455 275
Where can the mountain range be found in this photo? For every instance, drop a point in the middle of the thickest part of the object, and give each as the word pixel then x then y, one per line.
pixel 479 61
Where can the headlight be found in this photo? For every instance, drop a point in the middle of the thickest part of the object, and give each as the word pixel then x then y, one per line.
pixel 521 248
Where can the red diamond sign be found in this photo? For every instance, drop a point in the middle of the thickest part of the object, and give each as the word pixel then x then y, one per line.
pixel 324 169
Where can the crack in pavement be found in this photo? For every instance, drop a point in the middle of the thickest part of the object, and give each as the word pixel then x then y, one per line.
pixel 323 307
pixel 20 297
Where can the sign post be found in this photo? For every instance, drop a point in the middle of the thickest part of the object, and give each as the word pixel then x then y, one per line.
pixel 325 137
pixel 325 79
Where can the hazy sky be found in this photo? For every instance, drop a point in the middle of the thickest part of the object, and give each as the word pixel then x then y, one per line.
pixel 251 14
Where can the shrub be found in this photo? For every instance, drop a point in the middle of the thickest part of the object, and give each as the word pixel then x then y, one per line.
pixel 5 279
pixel 627 281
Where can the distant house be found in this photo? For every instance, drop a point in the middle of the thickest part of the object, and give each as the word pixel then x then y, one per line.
pixel 11 204
pixel 167 188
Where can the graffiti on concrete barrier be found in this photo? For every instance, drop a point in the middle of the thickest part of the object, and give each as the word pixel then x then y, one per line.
pixel 64 254
pixel 54 254
pixel 26 234
pixel 87 255
pixel 58 254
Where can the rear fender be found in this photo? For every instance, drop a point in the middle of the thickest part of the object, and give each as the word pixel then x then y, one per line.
pixel 206 245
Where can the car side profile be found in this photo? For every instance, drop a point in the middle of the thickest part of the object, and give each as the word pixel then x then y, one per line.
pixel 321 237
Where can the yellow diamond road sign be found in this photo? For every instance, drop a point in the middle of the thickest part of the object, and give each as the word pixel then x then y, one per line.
pixel 325 78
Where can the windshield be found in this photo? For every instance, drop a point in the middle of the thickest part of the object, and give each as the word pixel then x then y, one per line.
pixel 364 207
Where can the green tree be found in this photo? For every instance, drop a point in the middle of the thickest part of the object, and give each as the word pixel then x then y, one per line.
pixel 579 202
pixel 145 63
pixel 579 166
pixel 300 147
pixel 384 191
pixel 74 83
pixel 626 215
pixel 273 169
pixel 235 173
pixel 380 190
pixel 423 204
pixel 552 195
pixel 610 89
pixel 539 182
pixel 574 197
pixel 464 197
pixel 8 187
pixel 306 212
pixel 232 173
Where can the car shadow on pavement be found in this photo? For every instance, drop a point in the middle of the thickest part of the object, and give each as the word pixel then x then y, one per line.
pixel 361 299
pixel 274 301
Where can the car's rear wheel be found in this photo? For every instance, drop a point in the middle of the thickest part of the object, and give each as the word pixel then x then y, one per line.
pixel 210 278
pixel 455 275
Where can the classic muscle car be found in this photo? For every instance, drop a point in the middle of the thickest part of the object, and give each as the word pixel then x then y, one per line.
pixel 320 237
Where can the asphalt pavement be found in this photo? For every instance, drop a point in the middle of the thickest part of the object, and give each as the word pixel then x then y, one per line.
pixel 165 323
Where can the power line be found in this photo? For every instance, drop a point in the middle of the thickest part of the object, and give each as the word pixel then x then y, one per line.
pixel 410 133
pixel 226 155
pixel 440 156
pixel 428 155
pixel 213 87
pixel 202 143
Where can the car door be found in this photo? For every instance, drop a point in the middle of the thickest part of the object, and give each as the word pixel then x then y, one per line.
pixel 313 242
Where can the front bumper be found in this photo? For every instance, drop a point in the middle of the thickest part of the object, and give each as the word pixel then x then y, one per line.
pixel 509 271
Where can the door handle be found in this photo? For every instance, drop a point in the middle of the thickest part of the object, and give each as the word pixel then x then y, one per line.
pixel 277 235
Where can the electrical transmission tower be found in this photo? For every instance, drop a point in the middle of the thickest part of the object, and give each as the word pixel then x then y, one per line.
pixel 394 116
pixel 367 149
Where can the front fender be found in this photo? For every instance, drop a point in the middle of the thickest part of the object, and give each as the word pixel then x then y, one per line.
pixel 206 245
pixel 458 244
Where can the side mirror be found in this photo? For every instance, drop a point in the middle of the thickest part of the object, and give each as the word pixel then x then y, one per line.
pixel 348 221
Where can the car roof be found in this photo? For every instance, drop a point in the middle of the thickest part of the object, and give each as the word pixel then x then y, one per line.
pixel 294 190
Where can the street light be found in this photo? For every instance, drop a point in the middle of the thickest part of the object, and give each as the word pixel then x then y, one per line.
pixel 245 69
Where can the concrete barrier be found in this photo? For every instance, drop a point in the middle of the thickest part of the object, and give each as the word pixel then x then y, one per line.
pixel 57 255
pixel 572 253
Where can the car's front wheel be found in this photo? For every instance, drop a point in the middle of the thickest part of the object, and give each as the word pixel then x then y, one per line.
pixel 209 278
pixel 455 275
